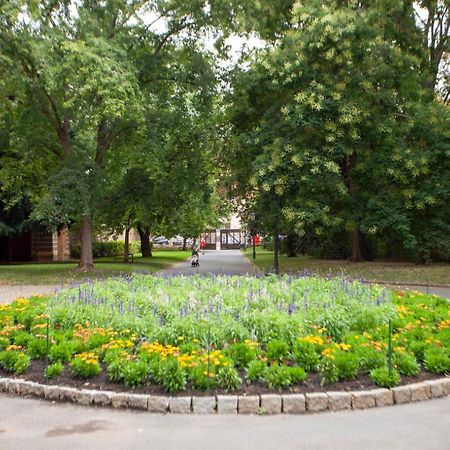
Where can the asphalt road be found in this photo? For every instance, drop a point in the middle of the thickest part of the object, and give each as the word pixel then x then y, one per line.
pixel 28 424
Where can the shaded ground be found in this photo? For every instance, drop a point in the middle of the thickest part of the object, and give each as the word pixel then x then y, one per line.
pixel 64 273
pixel 27 424
pixel 392 272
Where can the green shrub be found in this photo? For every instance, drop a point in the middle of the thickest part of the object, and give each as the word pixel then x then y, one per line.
pixel 200 379
pixel 256 371
pixel 297 375
pixel 381 377
pixel 228 378
pixel 277 350
pixel 278 377
pixel 55 369
pixel 114 370
pixel 4 342
pixel 241 354
pixel 85 365
pixel 329 371
pixel 347 365
pixel 371 358
pixel 14 361
pixel 304 355
pixel 173 376
pixel 134 373
pixel 37 348
pixel 406 364
pixel 22 338
pixel 61 352
pixel 436 360
pixel 418 348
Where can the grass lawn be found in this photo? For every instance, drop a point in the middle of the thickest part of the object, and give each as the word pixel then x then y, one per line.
pixel 391 272
pixel 57 273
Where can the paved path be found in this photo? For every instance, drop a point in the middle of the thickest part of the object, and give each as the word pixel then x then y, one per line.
pixel 9 293
pixel 27 424
pixel 228 262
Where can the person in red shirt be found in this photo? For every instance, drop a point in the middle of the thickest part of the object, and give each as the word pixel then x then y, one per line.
pixel 203 245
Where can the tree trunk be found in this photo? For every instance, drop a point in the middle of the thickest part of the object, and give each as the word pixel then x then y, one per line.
pixel 86 259
pixel 276 252
pixel 126 247
pixel 184 244
pixel 357 254
pixel 144 235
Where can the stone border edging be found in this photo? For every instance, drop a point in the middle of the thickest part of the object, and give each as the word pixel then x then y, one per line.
pixel 234 404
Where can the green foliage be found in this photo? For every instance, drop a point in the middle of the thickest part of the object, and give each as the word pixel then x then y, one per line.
pixel 173 377
pixel 55 369
pixel 256 371
pixel 61 352
pixel 277 350
pixel 228 378
pixel 278 377
pixel 4 342
pixel 14 361
pixel 305 355
pixel 242 354
pixel 437 360
pixel 297 374
pixel 134 373
pixel 85 365
pixel 22 338
pixel 406 364
pixel 114 370
pixel 200 378
pixel 370 358
pixel 347 365
pixel 381 377
pixel 37 348
pixel 329 371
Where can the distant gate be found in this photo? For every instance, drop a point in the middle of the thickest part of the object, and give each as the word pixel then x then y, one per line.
pixel 210 239
pixel 230 239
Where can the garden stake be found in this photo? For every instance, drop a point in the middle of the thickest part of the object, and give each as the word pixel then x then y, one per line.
pixel 209 347
pixel 390 347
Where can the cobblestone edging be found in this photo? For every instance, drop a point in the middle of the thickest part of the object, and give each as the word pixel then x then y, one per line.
pixel 234 404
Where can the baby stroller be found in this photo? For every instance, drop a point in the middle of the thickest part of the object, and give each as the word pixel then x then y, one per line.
pixel 194 260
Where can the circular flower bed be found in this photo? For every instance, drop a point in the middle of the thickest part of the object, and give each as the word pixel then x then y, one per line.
pixel 226 334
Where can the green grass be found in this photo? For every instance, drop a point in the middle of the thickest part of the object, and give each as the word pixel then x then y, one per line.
pixel 57 273
pixel 390 272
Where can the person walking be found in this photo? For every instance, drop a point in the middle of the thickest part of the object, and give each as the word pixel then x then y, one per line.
pixel 203 245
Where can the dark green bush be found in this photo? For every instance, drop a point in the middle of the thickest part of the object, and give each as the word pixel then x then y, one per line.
pixel 381 377
pixel 347 365
pixel 228 378
pixel 37 348
pixel 14 361
pixel 256 371
pixel 304 354
pixel 436 360
pixel 278 377
pixel 297 375
pixel 277 350
pixel 55 369
pixel 173 376
pixel 371 358
pixel 134 373
pixel 406 364
pixel 61 352
pixel 241 354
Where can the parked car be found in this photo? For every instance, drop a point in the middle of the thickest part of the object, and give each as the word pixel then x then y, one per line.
pixel 160 240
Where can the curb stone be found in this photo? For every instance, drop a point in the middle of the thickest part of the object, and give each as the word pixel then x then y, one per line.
pixel 294 404
pixel 233 404
pixel 271 403
pixel 363 400
pixel 338 401
pixel 316 402
pixel 204 405
pixel 248 404
pixel 180 405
